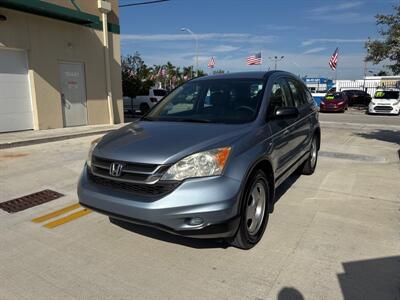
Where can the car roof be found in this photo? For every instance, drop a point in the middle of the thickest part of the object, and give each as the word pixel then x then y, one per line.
pixel 242 75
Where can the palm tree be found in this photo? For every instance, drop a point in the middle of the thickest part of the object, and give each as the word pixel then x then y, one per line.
pixel 187 72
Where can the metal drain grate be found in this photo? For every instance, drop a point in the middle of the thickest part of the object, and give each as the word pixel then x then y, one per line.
pixel 25 202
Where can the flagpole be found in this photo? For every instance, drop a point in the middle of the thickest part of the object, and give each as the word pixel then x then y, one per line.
pixel 335 75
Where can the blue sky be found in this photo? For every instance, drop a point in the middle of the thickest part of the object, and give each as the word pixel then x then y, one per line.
pixel 306 32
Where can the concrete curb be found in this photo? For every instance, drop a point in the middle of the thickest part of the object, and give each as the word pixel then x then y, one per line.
pixel 43 140
pixel 362 125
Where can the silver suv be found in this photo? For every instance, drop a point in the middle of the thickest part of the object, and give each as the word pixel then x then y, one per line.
pixel 206 160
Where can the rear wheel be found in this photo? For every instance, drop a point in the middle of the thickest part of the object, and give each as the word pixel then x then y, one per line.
pixel 254 212
pixel 309 165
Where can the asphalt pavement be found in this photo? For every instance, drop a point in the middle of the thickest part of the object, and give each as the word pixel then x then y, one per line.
pixel 333 235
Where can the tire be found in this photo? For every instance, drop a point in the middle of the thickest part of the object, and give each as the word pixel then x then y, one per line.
pixel 144 108
pixel 254 212
pixel 310 164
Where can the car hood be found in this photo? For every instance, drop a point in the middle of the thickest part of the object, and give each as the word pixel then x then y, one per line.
pixel 166 142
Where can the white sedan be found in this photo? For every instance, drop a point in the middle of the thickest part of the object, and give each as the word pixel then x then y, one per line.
pixel 385 101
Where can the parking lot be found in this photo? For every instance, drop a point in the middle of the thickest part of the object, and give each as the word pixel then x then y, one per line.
pixel 333 235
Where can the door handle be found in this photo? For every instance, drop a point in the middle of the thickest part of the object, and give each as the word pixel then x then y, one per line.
pixel 286 132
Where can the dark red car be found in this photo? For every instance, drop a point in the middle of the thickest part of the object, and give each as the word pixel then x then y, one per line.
pixel 334 102
pixel 357 97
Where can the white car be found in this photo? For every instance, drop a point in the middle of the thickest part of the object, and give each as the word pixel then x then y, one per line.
pixel 143 103
pixel 385 101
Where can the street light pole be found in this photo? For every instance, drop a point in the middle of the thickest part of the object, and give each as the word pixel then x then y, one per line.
pixel 197 48
pixel 275 59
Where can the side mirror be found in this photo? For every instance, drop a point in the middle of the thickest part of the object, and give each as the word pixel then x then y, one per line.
pixel 286 112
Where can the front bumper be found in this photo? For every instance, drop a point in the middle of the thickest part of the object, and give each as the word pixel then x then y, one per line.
pixel 325 108
pixel 395 110
pixel 214 199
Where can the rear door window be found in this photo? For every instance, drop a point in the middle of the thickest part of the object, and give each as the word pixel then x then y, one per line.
pixel 279 96
pixel 298 93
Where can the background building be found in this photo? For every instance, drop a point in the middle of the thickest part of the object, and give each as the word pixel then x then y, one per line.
pixel 369 83
pixel 318 84
pixel 52 64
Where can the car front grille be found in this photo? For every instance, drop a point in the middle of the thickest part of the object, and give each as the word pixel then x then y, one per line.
pixel 383 108
pixel 131 172
pixel 142 179
pixel 158 189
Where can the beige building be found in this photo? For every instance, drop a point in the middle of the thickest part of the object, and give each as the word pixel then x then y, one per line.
pixel 52 64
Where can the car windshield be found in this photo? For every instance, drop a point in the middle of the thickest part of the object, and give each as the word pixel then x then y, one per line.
pixel 386 95
pixel 211 101
pixel 333 96
pixel 159 93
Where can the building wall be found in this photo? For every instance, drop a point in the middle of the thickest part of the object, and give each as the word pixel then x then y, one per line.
pixel 89 6
pixel 49 41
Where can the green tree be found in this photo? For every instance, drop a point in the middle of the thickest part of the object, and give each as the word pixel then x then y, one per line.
pixel 387 48
pixel 188 72
pixel 218 71
pixel 382 73
pixel 135 76
pixel 201 73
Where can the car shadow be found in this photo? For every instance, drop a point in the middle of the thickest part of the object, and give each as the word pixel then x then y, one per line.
pixel 157 234
pixel 385 135
pixel 290 293
pixel 371 279
pixel 285 186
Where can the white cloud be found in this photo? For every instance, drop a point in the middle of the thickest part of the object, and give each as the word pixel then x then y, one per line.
pixel 310 42
pixel 231 37
pixel 346 17
pixel 336 7
pixel 347 12
pixel 314 50
pixel 224 48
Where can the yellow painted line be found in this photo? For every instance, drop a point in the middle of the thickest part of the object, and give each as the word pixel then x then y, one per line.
pixel 56 213
pixel 68 218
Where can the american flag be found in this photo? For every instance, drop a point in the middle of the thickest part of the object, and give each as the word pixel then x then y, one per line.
pixel 162 71
pixel 334 59
pixel 211 63
pixel 254 59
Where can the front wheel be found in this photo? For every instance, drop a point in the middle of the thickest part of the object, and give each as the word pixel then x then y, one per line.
pixel 310 164
pixel 254 212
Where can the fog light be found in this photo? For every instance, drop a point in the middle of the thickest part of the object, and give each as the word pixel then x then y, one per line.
pixel 195 221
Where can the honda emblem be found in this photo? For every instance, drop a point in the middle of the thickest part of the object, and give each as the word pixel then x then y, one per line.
pixel 116 169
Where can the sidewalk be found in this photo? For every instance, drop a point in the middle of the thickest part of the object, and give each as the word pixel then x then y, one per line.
pixel 30 137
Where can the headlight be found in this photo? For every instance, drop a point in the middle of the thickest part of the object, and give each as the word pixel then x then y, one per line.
pixel 396 103
pixel 372 102
pixel 207 163
pixel 93 144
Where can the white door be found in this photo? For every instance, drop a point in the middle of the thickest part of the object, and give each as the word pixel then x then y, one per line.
pixel 15 101
pixel 73 94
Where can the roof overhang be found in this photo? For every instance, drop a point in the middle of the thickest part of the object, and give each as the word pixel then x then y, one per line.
pixel 50 10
